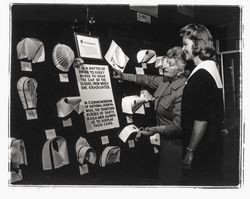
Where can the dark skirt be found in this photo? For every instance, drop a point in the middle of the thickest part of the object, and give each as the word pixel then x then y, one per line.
pixel 170 169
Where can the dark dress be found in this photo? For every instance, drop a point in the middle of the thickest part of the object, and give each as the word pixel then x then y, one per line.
pixel 202 100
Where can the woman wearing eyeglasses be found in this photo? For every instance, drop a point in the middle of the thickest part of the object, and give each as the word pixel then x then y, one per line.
pixel 167 104
pixel 202 109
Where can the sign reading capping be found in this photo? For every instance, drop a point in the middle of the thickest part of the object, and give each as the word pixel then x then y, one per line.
pixel 97 97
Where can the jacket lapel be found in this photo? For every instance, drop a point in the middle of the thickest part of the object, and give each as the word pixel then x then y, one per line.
pixel 167 87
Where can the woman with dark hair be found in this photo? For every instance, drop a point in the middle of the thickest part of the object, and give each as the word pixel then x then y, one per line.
pixel 202 109
pixel 167 104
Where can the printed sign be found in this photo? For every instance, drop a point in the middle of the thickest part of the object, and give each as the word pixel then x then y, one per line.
pixel 97 97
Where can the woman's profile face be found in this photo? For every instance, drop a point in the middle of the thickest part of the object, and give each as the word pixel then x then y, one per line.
pixel 187 48
pixel 170 68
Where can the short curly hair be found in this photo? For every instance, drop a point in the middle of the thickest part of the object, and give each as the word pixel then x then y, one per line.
pixel 179 56
pixel 203 41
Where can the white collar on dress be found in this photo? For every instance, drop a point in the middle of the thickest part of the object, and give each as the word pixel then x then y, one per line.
pixel 210 67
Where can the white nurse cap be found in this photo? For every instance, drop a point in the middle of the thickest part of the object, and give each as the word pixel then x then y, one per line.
pixel 63 57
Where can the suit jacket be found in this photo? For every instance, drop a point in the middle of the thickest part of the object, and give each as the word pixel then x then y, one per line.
pixel 167 104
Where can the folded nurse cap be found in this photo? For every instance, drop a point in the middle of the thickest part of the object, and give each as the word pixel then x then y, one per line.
pixel 85 152
pixel 17 153
pixel 160 61
pixel 32 49
pixel 63 57
pixel 127 131
pixel 68 104
pixel 146 56
pixel 55 153
pixel 16 175
pixel 110 155
pixel 133 104
pixel 116 57
pixel 26 88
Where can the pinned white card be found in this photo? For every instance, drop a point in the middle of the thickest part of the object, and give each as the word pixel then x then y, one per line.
pixel 63 77
pixel 31 114
pixel 131 143
pixel 67 122
pixel 105 140
pixel 144 65
pixel 129 119
pixel 50 134
pixel 155 139
pixel 156 150
pixel 139 70
pixel 26 66
pixel 84 169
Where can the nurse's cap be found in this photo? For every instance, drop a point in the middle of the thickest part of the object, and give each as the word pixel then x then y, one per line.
pixel 32 49
pixel 110 155
pixel 63 57
pixel 26 88
pixel 84 151
pixel 146 56
pixel 159 62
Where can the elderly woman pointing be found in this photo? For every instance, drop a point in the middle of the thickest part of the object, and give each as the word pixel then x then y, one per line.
pixel 167 104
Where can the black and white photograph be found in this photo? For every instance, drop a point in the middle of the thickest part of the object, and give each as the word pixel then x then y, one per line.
pixel 126 95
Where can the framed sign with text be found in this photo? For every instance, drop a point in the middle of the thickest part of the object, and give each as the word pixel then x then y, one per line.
pixel 88 46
